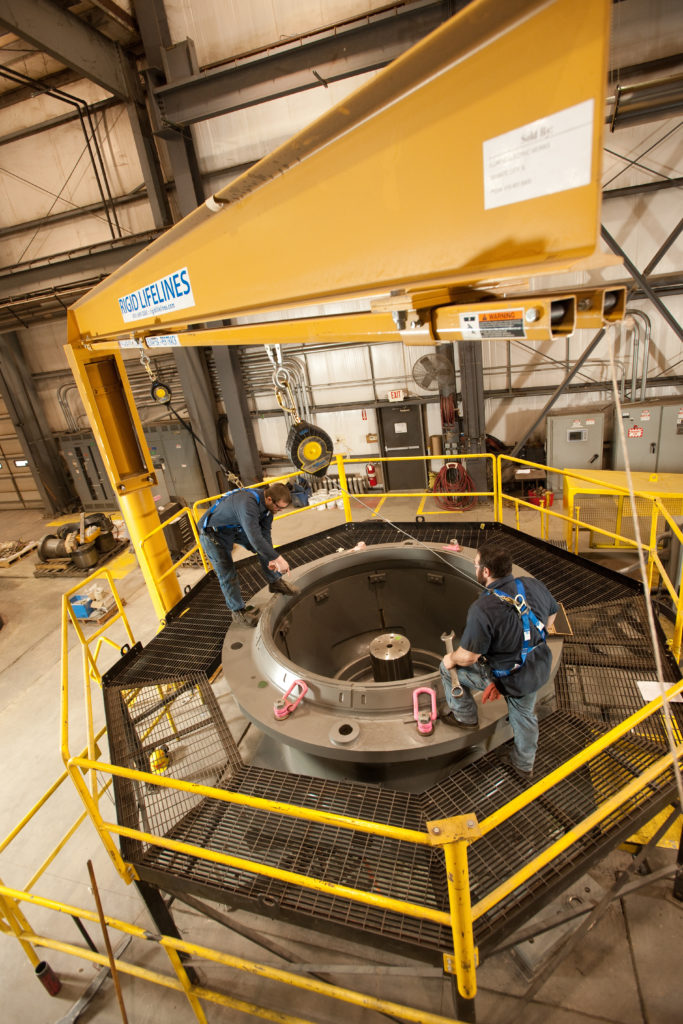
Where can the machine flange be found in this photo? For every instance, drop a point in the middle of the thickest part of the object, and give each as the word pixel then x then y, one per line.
pixel 355 711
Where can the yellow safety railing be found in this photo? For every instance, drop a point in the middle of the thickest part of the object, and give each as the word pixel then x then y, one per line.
pixel 573 524
pixel 453 834
pixel 194 993
pixel 92 644
pixel 459 919
pixel 194 514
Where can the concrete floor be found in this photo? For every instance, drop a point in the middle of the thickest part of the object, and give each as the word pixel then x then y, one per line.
pixel 625 970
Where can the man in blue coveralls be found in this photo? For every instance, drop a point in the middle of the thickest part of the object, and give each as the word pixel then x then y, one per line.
pixel 245 517
pixel 503 650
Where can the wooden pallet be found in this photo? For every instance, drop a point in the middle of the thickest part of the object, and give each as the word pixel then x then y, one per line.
pixel 9 559
pixel 101 615
pixel 65 567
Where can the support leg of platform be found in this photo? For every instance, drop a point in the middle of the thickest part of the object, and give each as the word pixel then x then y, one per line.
pixel 163 919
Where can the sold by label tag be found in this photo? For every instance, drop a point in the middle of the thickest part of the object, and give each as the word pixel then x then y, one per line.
pixel 550 155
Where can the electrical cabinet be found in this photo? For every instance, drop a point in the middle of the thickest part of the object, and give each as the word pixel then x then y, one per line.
pixel 85 464
pixel 653 437
pixel 574 440
pixel 173 451
pixel 174 457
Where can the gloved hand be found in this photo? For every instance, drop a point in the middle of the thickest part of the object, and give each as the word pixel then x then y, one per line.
pixel 279 564
pixel 490 693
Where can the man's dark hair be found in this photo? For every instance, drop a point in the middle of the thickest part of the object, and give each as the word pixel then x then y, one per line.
pixel 279 493
pixel 494 557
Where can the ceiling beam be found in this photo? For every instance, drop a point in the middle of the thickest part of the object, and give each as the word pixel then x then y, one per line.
pixel 57 80
pixel 329 57
pixel 69 40
pixel 65 267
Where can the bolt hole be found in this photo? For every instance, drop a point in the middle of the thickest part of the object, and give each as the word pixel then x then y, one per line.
pixel 345 729
pixel 236 646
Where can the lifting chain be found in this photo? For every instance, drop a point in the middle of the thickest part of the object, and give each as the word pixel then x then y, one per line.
pixel 147 364
pixel 281 384
pixel 283 393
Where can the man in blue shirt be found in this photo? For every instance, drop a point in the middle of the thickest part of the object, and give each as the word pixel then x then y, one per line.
pixel 245 517
pixel 494 656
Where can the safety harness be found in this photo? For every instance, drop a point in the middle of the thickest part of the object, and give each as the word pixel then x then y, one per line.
pixel 228 526
pixel 519 603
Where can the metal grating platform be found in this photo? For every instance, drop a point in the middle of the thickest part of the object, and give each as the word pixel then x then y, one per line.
pixel 595 689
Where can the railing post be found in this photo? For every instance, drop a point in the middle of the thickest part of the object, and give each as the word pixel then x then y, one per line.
pixel 652 541
pixel 344 488
pixel 17 923
pixel 455 834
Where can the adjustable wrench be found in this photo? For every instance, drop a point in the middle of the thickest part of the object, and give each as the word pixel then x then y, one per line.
pixel 456 688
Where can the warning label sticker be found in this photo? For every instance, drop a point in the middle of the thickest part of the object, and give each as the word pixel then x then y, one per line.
pixel 635 431
pixel 495 323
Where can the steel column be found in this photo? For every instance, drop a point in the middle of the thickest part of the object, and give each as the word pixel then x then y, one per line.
pixel 196 382
pixel 180 62
pixel 228 367
pixel 158 910
pixel 149 164
pixel 30 423
pixel 473 410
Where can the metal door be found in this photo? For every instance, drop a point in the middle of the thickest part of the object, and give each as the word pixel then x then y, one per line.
pixel 670 448
pixel 402 435
pixel 574 441
pixel 641 429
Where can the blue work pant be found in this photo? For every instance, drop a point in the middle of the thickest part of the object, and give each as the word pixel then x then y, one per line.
pixel 218 545
pixel 520 710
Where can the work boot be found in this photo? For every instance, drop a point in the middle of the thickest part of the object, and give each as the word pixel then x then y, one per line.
pixel 243 617
pixel 281 586
pixel 526 774
pixel 450 719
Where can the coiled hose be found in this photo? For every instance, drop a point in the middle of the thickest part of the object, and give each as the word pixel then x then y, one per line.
pixel 454 477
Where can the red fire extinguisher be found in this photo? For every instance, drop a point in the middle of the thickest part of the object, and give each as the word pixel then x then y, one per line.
pixel 371 473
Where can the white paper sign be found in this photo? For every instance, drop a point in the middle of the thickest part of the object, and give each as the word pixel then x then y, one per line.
pixel 550 155
pixel 650 689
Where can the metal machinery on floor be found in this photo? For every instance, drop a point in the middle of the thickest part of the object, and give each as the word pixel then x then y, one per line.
pixel 438 246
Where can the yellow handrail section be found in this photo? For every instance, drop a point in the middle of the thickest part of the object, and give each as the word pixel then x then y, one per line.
pixel 454 835
pixel 197 992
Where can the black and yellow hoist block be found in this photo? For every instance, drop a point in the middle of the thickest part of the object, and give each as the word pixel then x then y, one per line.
pixel 309 448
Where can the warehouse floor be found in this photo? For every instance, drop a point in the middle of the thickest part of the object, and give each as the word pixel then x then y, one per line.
pixel 624 970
